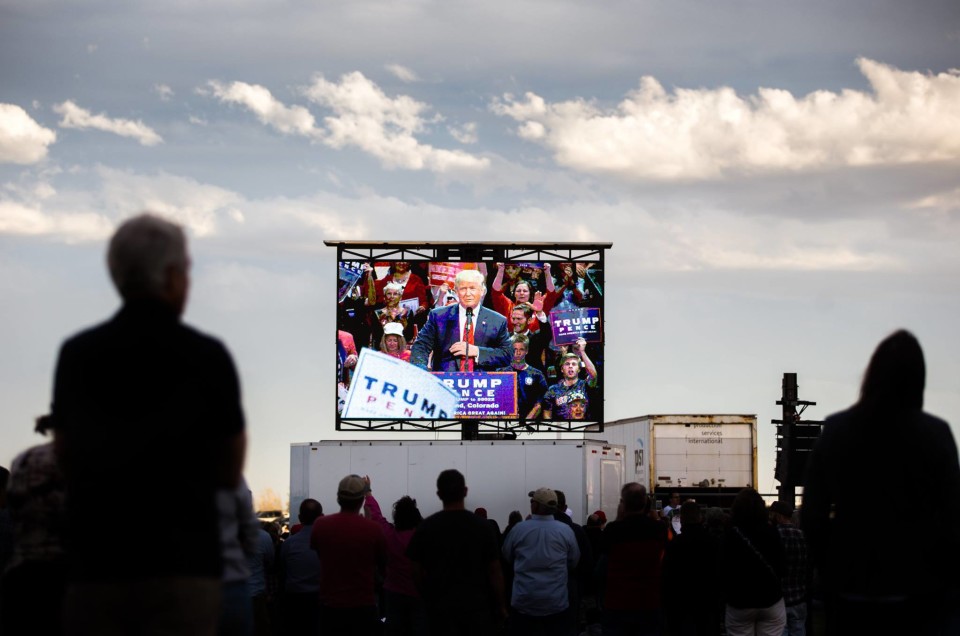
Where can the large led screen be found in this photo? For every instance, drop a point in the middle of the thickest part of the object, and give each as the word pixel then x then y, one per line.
pixel 424 340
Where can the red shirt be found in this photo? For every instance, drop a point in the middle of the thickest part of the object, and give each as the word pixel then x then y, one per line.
pixel 351 550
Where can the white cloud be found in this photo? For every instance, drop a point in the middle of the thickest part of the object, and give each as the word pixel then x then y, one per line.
pixel 164 91
pixel 402 73
pixel 200 207
pixel 269 110
pixel 663 232
pixel 710 133
pixel 365 117
pixel 465 134
pixel 77 117
pixel 20 219
pixel 38 209
pixel 22 140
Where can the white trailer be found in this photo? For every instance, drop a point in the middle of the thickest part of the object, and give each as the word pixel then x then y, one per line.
pixel 688 452
pixel 499 474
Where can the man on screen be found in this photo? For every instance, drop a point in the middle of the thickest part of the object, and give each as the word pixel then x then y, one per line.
pixel 537 333
pixel 567 399
pixel 531 385
pixel 465 336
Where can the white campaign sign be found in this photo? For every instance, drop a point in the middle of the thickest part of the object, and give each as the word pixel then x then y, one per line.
pixel 387 387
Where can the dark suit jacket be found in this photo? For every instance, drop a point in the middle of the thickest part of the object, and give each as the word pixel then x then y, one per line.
pixel 443 329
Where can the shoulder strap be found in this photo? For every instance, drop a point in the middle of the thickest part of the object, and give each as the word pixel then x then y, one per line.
pixel 757 552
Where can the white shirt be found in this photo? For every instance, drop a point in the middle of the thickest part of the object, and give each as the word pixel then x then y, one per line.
pixel 463 319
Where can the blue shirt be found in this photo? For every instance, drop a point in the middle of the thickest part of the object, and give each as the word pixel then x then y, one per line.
pixel 301 565
pixel 260 562
pixel 541 550
pixel 531 385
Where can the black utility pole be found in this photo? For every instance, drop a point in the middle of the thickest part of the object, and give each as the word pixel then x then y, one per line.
pixel 795 440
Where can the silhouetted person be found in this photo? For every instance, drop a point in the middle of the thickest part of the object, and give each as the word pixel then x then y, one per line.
pixel 580 577
pixel 300 575
pixel 491 523
pixel 885 570
pixel 31 593
pixel 512 520
pixel 751 568
pixel 629 566
pixel 6 524
pixel 797 570
pixel 456 565
pixel 352 553
pixel 403 607
pixel 239 531
pixel 690 585
pixel 147 418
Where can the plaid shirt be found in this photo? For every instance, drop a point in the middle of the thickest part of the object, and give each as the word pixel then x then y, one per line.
pixel 794 582
pixel 36 495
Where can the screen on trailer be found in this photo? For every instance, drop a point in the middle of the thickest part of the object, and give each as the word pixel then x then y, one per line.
pixel 457 340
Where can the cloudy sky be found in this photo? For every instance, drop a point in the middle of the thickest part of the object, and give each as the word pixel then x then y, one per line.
pixel 780 181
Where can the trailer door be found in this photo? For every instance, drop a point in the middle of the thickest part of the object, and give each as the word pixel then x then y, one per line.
pixel 611 481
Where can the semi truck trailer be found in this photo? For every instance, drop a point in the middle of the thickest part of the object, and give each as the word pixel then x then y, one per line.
pixel 709 457
pixel 500 473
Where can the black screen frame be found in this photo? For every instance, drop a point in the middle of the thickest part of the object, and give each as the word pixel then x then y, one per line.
pixel 487 252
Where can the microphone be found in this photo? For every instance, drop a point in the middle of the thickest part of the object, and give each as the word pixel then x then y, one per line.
pixel 468 325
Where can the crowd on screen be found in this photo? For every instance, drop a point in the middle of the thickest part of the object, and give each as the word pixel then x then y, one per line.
pixel 388 307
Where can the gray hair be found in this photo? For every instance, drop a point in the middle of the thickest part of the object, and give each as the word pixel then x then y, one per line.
pixel 469 275
pixel 141 251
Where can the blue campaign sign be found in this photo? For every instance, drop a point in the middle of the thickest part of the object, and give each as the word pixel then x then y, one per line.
pixel 570 324
pixel 483 394
pixel 348 276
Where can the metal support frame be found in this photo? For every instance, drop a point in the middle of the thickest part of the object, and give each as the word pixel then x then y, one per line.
pixel 468 252
pixel 787 454
pixel 471 253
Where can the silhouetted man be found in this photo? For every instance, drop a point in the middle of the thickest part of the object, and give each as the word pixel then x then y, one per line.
pixel 148 418
pixel 456 565
pixel 631 556
pixel 352 551
pixel 300 574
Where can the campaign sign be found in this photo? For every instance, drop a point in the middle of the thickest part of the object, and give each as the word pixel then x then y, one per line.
pixel 483 394
pixel 385 387
pixel 348 276
pixel 570 324
pixel 444 273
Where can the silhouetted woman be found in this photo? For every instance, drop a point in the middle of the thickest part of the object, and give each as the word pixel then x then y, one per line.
pixel 404 608
pixel 752 565
pixel 886 563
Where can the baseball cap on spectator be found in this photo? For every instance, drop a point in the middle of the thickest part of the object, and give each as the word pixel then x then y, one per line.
pixel 544 497
pixel 601 515
pixel 351 488
pixel 393 329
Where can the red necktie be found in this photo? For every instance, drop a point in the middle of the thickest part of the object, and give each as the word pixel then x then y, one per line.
pixel 467 363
